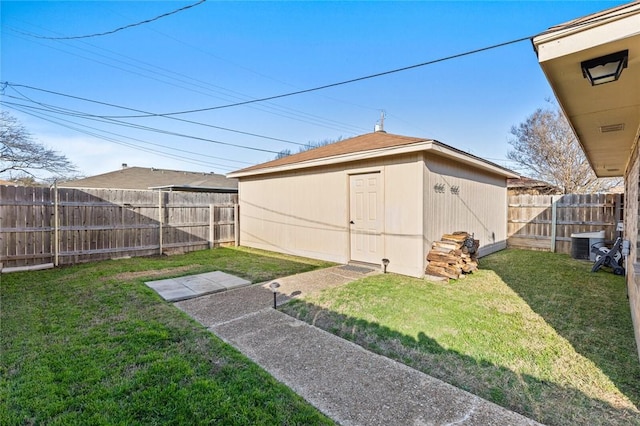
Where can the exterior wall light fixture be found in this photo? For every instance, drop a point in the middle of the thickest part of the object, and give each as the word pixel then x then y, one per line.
pixel 605 69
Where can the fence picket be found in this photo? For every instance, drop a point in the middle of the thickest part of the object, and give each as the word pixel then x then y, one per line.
pixel 529 223
pixel 95 224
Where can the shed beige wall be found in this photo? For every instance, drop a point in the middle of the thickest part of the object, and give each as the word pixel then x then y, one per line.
pixel 306 212
pixel 478 207
pixel 297 213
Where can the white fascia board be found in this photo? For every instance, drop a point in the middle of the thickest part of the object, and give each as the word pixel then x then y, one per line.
pixel 567 41
pixel 472 160
pixel 336 159
pixel 377 153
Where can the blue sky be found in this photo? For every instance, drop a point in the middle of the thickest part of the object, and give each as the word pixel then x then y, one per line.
pixel 219 53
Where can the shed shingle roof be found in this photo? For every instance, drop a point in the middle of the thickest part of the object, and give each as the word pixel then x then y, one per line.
pixel 376 141
pixel 360 143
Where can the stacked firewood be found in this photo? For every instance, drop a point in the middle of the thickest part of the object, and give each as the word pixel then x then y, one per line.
pixel 455 254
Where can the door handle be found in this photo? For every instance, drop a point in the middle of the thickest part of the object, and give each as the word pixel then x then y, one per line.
pixel 352 222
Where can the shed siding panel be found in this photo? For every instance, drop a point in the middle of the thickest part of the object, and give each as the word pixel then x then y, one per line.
pixel 298 213
pixel 458 198
pixel 403 216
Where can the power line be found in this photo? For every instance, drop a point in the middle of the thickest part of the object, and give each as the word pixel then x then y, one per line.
pixel 170 133
pixel 327 86
pixel 146 21
pixel 383 73
pixel 231 96
pixel 13 87
pixel 119 142
pixel 45 109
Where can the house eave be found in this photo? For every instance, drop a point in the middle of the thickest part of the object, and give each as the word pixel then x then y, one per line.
pixel 583 35
pixel 589 109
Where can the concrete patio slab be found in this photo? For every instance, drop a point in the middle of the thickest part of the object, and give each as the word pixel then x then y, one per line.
pixel 182 288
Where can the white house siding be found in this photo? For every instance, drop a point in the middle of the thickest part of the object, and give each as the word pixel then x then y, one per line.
pixel 631 214
pixel 306 212
pixel 479 205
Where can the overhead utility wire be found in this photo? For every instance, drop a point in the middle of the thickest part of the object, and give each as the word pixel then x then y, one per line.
pixel 118 142
pixel 13 86
pixel 327 86
pixel 146 21
pixel 78 114
pixel 380 74
pixel 167 132
pixel 232 96
pixel 59 121
pixel 134 126
pixel 45 109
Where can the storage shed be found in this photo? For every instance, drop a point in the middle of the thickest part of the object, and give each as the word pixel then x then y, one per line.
pixel 371 197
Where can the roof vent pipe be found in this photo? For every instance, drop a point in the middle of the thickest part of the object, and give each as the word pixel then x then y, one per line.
pixel 379 127
pixel 124 165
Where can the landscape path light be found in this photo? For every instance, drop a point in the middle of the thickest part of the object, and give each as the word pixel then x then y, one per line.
pixel 274 288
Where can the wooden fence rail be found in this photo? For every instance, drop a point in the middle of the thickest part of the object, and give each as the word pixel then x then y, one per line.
pixel 42 226
pixel 546 222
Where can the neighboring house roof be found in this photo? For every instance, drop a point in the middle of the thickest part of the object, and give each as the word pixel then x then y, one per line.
pixel 151 178
pixel 526 184
pixel 367 146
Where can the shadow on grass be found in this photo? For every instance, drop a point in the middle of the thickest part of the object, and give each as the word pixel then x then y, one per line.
pixel 543 401
pixel 588 309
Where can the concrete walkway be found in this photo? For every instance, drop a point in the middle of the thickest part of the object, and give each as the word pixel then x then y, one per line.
pixel 344 381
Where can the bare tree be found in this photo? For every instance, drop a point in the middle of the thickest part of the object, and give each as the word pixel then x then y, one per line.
pixel 309 146
pixel 21 154
pixel 545 147
pixel 283 153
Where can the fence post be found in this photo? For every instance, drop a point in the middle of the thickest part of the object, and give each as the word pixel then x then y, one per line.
pixel 212 224
pixel 554 221
pixel 160 219
pixel 236 224
pixel 56 225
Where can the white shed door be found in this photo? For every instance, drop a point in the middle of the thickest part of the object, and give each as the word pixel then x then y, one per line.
pixel 366 217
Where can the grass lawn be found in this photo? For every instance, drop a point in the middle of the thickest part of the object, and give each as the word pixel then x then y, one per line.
pixel 535 332
pixel 91 344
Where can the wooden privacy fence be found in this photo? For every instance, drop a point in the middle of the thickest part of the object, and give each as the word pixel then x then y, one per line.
pixel 44 226
pixel 546 222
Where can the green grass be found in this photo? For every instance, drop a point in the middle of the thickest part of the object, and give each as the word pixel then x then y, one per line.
pixel 535 332
pixel 91 344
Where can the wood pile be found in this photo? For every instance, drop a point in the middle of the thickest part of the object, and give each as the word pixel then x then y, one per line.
pixel 454 255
